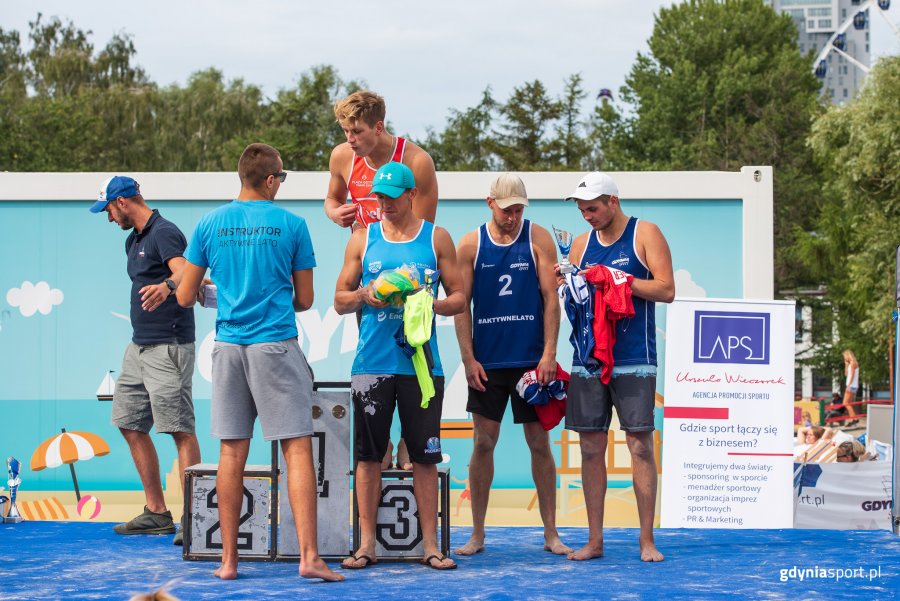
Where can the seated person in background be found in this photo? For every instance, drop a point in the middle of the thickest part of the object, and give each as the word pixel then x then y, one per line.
pixel 836 409
pixel 808 435
pixel 850 451
pixel 806 419
pixel 811 443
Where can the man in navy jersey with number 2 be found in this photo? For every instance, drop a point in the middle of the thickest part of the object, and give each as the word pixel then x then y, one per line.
pixel 637 247
pixel 507 269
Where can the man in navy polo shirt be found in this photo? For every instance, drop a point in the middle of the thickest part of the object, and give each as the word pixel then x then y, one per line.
pixel 154 386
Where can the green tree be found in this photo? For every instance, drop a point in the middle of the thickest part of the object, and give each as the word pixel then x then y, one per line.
pixel 464 145
pixel 853 248
pixel 12 66
pixel 570 146
pixel 301 120
pixel 522 143
pixel 60 59
pixel 205 125
pixel 723 85
pixel 608 134
pixel 66 109
pixel 12 93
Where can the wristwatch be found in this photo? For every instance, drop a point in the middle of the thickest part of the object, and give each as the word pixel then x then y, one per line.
pixel 171 284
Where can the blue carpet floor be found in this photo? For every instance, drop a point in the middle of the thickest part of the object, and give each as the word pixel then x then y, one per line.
pixel 51 560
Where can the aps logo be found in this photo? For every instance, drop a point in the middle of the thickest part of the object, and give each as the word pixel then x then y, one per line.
pixel 731 337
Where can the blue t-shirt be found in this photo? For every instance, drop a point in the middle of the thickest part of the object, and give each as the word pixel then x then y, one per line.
pixel 251 249
pixel 377 352
pixel 507 306
pixel 148 252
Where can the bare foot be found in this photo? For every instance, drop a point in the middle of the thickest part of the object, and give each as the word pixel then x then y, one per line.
pixel 556 546
pixel 475 545
pixel 226 572
pixel 403 461
pixel 589 551
pixel 318 569
pixel 649 552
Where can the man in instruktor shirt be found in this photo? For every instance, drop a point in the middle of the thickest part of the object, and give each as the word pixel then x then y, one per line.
pixel 261 258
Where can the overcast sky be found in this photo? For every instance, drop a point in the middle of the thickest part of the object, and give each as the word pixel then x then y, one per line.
pixel 424 57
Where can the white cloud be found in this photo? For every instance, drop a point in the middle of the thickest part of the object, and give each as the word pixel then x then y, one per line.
pixel 31 298
pixel 685 286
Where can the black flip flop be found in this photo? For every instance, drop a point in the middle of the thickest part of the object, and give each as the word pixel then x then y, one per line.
pixel 427 562
pixel 369 562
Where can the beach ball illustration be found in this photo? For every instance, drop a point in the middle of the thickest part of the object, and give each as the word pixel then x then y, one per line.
pixel 88 507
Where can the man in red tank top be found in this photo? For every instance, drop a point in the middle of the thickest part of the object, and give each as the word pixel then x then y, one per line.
pixel 368 147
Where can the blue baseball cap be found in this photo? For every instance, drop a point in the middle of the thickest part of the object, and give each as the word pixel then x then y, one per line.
pixel 114 187
pixel 393 179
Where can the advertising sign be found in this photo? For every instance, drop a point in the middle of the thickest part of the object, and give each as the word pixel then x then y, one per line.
pixel 727 419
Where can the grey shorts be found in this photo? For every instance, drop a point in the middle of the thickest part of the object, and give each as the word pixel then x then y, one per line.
pixel 154 388
pixel 632 391
pixel 271 380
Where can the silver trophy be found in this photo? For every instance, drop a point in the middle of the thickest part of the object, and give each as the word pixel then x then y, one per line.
pixel 12 468
pixel 564 242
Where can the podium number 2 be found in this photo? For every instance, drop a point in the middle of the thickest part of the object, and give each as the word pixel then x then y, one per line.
pixel 245 539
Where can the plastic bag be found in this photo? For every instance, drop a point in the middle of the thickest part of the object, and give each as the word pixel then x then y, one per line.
pixel 394 285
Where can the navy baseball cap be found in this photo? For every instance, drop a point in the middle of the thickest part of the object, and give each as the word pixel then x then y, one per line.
pixel 114 187
pixel 393 179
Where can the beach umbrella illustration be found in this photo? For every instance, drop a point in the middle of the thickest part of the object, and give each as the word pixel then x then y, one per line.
pixel 67 448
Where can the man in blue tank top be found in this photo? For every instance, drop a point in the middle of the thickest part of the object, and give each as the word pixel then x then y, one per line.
pixel 507 273
pixel 382 376
pixel 261 259
pixel 637 247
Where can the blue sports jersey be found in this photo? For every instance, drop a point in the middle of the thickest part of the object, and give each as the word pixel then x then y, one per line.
pixel 377 352
pixel 507 307
pixel 251 249
pixel 577 295
pixel 635 337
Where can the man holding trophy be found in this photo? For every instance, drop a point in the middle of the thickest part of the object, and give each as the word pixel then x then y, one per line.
pixel 639 248
pixel 507 269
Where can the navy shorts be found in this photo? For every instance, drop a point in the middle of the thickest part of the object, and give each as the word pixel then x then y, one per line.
pixel 499 389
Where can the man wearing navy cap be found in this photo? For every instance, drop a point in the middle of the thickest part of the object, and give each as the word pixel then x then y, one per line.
pixel 154 386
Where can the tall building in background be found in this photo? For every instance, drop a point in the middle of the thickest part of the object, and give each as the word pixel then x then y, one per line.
pixel 817 21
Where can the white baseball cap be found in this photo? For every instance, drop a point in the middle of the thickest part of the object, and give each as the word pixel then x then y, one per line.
pixel 594 185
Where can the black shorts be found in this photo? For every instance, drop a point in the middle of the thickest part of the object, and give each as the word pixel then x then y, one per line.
pixel 374 400
pixel 590 402
pixel 500 387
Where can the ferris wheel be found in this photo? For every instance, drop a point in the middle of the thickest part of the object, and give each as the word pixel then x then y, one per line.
pixel 838 41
